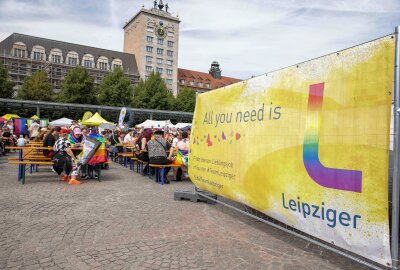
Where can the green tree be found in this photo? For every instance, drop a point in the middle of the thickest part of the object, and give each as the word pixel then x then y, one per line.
pixel 6 85
pixel 186 100
pixel 153 94
pixel 36 87
pixel 115 89
pixel 78 87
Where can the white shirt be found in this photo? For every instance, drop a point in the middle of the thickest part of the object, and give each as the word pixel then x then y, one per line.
pixel 21 142
pixel 128 138
pixel 11 127
pixel 175 142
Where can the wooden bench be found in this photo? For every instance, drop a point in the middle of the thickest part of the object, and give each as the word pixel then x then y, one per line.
pixel 125 156
pixel 30 162
pixel 160 171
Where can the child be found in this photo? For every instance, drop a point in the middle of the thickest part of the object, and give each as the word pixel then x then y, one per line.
pixel 21 141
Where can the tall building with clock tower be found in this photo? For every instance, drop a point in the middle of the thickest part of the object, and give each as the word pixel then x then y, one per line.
pixel 152 35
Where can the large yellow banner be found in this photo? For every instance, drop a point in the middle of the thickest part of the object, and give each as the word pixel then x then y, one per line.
pixel 307 145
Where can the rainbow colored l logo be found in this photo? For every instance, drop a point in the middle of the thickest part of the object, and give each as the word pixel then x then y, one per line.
pixel 327 177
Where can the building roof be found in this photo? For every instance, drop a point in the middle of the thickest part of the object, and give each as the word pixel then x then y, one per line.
pixel 156 12
pixel 203 77
pixel 128 60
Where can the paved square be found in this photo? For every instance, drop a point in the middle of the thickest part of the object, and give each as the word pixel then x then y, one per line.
pixel 129 222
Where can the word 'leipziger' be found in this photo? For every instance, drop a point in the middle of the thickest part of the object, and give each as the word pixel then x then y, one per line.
pixel 319 212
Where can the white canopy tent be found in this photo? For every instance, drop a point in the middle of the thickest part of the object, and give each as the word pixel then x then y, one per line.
pixel 155 124
pixel 182 125
pixel 62 122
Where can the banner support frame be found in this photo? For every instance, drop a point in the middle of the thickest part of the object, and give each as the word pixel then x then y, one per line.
pixel 396 161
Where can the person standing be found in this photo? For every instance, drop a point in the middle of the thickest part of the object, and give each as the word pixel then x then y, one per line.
pixel 10 126
pixel 34 130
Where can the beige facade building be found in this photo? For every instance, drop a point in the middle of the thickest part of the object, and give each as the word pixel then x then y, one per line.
pixel 152 35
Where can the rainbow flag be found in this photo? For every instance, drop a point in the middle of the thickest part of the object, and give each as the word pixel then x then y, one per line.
pixel 72 139
pixel 101 154
pixel 19 126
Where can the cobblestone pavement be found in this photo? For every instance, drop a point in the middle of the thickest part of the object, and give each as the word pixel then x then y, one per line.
pixel 129 222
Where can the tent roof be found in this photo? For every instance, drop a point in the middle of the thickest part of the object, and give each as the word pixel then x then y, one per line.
pixel 95 120
pixel 8 116
pixel 182 125
pixel 155 124
pixel 61 122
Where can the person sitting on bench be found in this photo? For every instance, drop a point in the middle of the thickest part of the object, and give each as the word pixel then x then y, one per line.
pixel 157 148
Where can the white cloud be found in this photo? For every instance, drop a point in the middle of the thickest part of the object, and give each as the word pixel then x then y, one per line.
pixel 246 37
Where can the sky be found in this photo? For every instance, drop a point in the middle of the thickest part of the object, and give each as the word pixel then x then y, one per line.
pixel 247 37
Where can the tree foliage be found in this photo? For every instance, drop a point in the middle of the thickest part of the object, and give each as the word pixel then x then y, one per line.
pixel 115 89
pixel 36 87
pixel 78 87
pixel 186 100
pixel 6 85
pixel 153 94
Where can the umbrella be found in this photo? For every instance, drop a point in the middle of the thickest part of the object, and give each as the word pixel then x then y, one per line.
pixel 35 117
pixel 8 116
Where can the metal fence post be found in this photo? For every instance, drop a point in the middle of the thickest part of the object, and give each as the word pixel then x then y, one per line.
pixel 396 169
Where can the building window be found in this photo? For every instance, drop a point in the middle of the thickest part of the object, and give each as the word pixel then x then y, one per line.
pixel 149 49
pixel 183 81
pixel 38 56
pixel 150 29
pixel 159 70
pixel 149 59
pixel 72 61
pixel 170 53
pixel 103 65
pixel 160 41
pixel 19 53
pixel 56 58
pixel 200 84
pixel 149 68
pixel 169 62
pixel 191 83
pixel 160 51
pixel 170 44
pixel 169 81
pixel 170 34
pixel 88 63
pixel 159 60
pixel 146 77
pixel 149 39
pixel 208 85
pixel 116 62
pixel 169 71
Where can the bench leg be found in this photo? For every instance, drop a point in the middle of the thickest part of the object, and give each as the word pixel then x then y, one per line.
pixel 23 173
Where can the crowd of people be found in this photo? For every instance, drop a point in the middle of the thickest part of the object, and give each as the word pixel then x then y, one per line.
pixel 151 145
